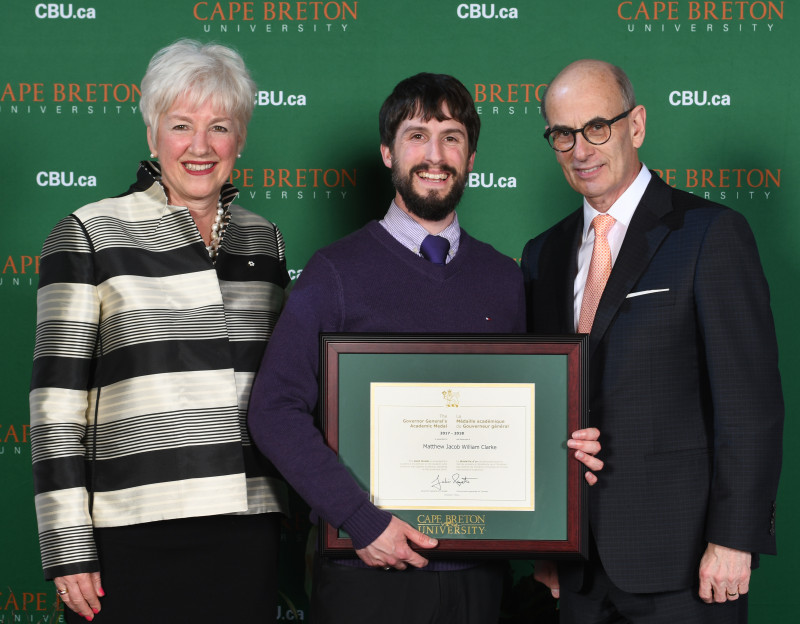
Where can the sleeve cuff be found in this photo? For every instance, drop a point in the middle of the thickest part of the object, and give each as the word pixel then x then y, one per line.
pixel 366 524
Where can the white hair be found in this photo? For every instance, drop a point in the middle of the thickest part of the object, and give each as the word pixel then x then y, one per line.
pixel 201 72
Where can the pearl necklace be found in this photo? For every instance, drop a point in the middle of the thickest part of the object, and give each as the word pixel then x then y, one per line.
pixel 218 231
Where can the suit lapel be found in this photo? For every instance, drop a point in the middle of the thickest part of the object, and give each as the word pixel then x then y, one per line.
pixel 563 268
pixel 644 236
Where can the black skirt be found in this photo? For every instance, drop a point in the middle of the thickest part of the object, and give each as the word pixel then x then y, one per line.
pixel 208 569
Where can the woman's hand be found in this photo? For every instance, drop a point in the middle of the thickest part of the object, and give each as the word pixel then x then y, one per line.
pixel 83 592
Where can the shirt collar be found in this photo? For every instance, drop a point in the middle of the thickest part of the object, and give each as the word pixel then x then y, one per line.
pixel 622 210
pixel 410 234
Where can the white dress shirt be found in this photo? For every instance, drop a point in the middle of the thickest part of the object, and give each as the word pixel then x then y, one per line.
pixel 622 210
pixel 410 234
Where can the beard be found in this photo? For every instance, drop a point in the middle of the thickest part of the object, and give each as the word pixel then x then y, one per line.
pixel 430 207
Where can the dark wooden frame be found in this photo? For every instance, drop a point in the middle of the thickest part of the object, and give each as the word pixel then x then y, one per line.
pixel 574 347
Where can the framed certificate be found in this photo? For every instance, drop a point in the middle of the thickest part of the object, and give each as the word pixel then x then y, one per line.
pixel 463 437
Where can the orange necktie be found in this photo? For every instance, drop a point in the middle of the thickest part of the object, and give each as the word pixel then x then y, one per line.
pixel 599 270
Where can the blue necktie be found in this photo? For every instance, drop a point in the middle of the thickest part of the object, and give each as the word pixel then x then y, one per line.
pixel 435 248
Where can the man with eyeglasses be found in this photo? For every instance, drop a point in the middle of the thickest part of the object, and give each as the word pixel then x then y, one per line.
pixel 684 380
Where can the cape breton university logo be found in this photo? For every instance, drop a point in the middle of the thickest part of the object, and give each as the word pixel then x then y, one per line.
pixel 439 524
pixel 700 16
pixel 90 99
pixel 15 440
pixel 29 606
pixel 725 185
pixel 309 183
pixel 18 270
pixel 306 17
pixel 509 99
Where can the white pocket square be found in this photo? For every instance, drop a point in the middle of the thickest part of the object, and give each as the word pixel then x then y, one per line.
pixel 646 292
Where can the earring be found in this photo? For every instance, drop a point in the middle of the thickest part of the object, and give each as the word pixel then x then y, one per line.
pixel 152 155
pixel 238 156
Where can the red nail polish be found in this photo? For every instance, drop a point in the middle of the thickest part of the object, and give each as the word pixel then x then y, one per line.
pixel 95 611
pixel 100 592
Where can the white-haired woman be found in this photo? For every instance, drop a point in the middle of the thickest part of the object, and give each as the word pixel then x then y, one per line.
pixel 154 309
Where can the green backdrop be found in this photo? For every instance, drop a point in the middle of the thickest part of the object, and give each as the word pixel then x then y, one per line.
pixel 716 78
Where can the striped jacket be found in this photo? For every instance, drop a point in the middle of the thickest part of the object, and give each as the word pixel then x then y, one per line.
pixel 168 373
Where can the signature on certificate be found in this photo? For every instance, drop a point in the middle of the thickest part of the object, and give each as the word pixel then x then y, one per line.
pixel 457 479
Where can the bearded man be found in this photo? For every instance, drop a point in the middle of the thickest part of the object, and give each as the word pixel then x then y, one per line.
pixel 415 271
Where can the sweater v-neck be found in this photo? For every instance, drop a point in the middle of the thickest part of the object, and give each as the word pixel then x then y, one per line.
pixel 436 272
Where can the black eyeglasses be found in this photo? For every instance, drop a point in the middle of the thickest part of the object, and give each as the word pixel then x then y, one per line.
pixel 597 132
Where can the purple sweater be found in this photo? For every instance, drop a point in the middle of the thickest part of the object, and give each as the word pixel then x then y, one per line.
pixel 366 282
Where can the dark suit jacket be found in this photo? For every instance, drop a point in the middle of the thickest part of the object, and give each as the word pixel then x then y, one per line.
pixel 684 385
